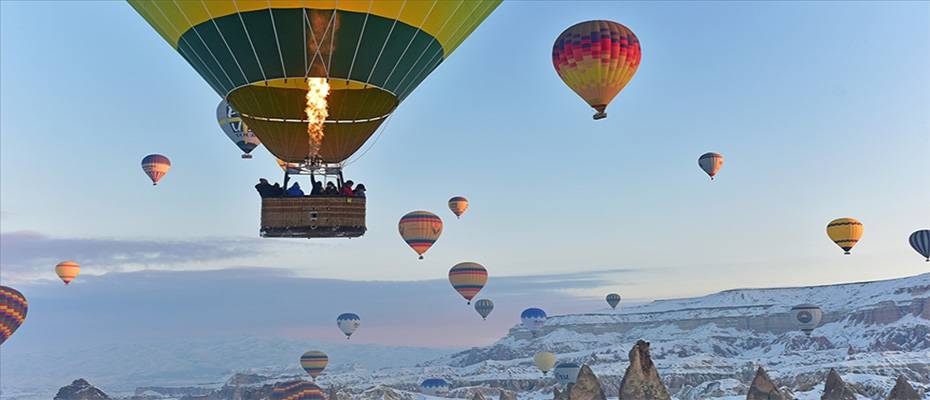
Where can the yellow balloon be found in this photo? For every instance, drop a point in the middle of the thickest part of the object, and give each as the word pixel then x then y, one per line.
pixel 545 361
pixel 845 232
pixel 67 271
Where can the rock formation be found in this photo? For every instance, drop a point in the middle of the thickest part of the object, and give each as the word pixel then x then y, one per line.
pixel 81 389
pixel 587 387
pixel 836 389
pixel 508 395
pixel 641 380
pixel 903 390
pixel 763 388
pixel 477 396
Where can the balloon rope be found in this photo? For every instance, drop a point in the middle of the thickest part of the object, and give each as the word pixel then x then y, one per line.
pixel 202 62
pixel 252 45
pixel 412 37
pixel 373 142
pixel 274 29
pixel 229 49
pixel 398 93
pixel 359 42
pixel 319 44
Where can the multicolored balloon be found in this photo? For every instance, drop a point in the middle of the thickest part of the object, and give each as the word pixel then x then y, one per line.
pixel 845 232
pixel 156 166
pixel 567 373
pixel 297 390
pixel 67 271
pixel 468 279
pixel 711 163
pixel 920 241
pixel 596 59
pixel 434 386
pixel 420 229
pixel 231 123
pixel 484 307
pixel 544 360
pixel 458 205
pixel 314 362
pixel 13 308
pixel 348 323
pixel 807 316
pixel 533 319
pixel 612 300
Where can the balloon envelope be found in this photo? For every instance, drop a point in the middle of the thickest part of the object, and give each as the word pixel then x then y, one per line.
pixel 807 316
pixel 297 390
pixel 232 125
pixel 596 59
pixel 920 241
pixel 711 163
pixel 259 55
pixel 67 271
pixel 845 232
pixel 13 308
pixel 533 319
pixel 155 166
pixel 458 205
pixel 468 279
pixel 544 360
pixel 434 386
pixel 566 373
pixel 420 229
pixel 348 323
pixel 484 307
pixel 613 299
pixel 314 362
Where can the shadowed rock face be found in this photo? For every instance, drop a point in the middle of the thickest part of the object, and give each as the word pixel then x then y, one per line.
pixel 763 388
pixel 903 390
pixel 508 395
pixel 477 396
pixel 587 387
pixel 836 389
pixel 81 389
pixel 641 380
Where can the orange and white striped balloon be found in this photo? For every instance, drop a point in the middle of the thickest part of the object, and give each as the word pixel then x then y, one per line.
pixel 67 271
pixel 458 205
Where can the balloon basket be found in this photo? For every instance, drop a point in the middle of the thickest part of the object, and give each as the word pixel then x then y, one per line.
pixel 313 217
pixel 246 156
pixel 600 115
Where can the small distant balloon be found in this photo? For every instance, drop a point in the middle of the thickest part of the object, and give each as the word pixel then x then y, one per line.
pixel 297 390
pixel 348 323
pixel 231 123
pixel 13 308
pixel 920 241
pixel 434 386
pixel 420 230
pixel 612 300
pixel 845 232
pixel 566 373
pixel 711 163
pixel 67 271
pixel 544 360
pixel 807 316
pixel 156 166
pixel 314 362
pixel 468 279
pixel 484 307
pixel 533 319
pixel 458 205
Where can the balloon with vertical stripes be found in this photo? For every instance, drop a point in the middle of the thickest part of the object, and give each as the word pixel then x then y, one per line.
pixel 920 241
pixel 155 166
pixel 711 163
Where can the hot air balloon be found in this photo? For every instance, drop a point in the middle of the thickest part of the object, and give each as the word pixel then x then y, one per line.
pixel 544 360
pixel 264 57
pixel 807 316
pixel 420 229
pixel 235 129
pixel 845 232
pixel 484 307
pixel 613 299
pixel 458 205
pixel 920 241
pixel 468 279
pixel 596 59
pixel 155 166
pixel 67 271
pixel 566 373
pixel 434 386
pixel 348 323
pixel 314 362
pixel 533 319
pixel 711 163
pixel 297 390
pixel 13 308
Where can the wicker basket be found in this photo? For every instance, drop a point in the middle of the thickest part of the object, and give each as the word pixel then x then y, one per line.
pixel 313 217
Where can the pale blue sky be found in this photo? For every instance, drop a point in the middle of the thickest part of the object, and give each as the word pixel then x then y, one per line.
pixel 822 110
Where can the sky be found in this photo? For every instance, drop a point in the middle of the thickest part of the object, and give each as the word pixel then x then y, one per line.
pixel 821 109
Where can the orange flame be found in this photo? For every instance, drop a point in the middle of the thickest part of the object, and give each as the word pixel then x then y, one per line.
pixel 318 89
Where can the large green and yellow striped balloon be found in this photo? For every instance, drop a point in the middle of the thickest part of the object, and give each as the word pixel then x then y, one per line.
pixel 258 56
